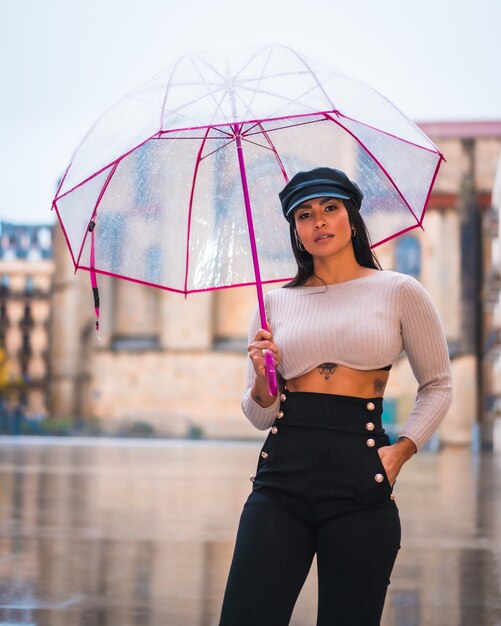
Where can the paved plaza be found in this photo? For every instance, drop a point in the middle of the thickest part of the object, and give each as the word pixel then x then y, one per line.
pixel 102 532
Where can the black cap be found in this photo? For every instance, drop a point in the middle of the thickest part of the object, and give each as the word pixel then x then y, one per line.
pixel 321 182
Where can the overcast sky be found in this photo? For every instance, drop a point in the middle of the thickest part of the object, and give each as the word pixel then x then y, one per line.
pixel 62 62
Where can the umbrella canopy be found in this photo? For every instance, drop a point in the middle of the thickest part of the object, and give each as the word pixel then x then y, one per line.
pixel 181 177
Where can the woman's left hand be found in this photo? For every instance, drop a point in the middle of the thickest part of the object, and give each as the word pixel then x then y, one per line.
pixel 394 456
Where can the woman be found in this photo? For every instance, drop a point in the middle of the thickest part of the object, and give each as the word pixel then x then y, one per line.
pixel 325 475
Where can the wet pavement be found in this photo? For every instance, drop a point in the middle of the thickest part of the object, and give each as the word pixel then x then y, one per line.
pixel 128 533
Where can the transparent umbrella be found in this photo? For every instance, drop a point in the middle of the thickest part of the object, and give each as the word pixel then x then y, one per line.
pixel 176 185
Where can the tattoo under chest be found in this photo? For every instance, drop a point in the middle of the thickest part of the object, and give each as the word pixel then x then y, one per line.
pixel 326 370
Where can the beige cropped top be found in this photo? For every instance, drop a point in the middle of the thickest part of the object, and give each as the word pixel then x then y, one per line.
pixel 364 324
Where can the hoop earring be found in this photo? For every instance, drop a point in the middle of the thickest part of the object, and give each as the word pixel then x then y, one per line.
pixel 353 232
pixel 298 242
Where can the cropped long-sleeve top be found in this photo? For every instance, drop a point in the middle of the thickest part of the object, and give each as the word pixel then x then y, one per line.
pixel 365 324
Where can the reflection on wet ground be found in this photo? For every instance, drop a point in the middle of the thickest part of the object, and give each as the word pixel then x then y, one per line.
pixel 129 533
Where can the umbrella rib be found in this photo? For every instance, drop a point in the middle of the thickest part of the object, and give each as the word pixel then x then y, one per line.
pixel 185 105
pixel 249 61
pixel 219 108
pixel 388 134
pixel 167 89
pixel 254 124
pixel 205 82
pixel 275 152
pixel 209 65
pixel 207 85
pixel 319 84
pixel 251 123
pixel 223 134
pixel 270 93
pixel 381 166
pixel 173 289
pixel 240 81
pixel 211 93
pixel 190 138
pixel 273 76
pixel 217 149
pixel 271 130
pixel 259 145
pixel 190 210
pixel 218 104
pixel 289 101
pixel 247 110
pixel 259 80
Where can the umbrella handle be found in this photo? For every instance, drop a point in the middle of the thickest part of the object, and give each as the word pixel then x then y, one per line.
pixel 271 374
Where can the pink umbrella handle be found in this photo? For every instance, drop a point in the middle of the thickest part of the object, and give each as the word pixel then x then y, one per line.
pixel 271 374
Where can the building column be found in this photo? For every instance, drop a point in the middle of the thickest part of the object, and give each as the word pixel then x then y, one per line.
pixel 467 407
pixel 64 333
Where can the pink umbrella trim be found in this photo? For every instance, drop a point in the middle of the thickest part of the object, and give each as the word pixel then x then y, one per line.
pixel 219 128
pixel 393 136
pixel 65 234
pixel 380 165
pixel 181 291
pixel 190 210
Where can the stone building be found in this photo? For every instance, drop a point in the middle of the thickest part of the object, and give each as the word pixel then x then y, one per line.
pixel 179 364
pixel 458 241
pixel 26 269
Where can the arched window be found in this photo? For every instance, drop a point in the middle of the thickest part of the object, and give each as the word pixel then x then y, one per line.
pixel 111 234
pixel 408 256
pixel 154 264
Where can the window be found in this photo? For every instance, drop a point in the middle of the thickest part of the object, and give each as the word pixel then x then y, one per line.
pixel 4 285
pixel 44 238
pixel 26 348
pixel 146 170
pixel 154 264
pixel 135 343
pixel 109 245
pixel 408 256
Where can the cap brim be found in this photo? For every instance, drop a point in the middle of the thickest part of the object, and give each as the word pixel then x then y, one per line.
pixel 322 194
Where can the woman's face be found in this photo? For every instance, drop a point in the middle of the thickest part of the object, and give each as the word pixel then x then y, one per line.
pixel 323 226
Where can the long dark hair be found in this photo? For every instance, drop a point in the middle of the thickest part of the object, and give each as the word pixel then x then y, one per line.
pixel 361 246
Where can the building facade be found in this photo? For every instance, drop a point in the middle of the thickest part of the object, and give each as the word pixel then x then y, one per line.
pixel 178 365
pixel 26 273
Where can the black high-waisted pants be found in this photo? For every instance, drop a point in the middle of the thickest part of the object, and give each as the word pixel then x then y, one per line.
pixel 320 488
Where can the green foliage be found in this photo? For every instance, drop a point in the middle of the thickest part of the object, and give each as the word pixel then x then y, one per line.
pixel 4 372
pixel 195 432
pixel 60 426
pixel 138 429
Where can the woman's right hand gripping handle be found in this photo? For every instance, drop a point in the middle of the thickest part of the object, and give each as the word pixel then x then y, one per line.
pixel 260 349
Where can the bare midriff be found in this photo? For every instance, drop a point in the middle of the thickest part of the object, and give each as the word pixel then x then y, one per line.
pixel 341 380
